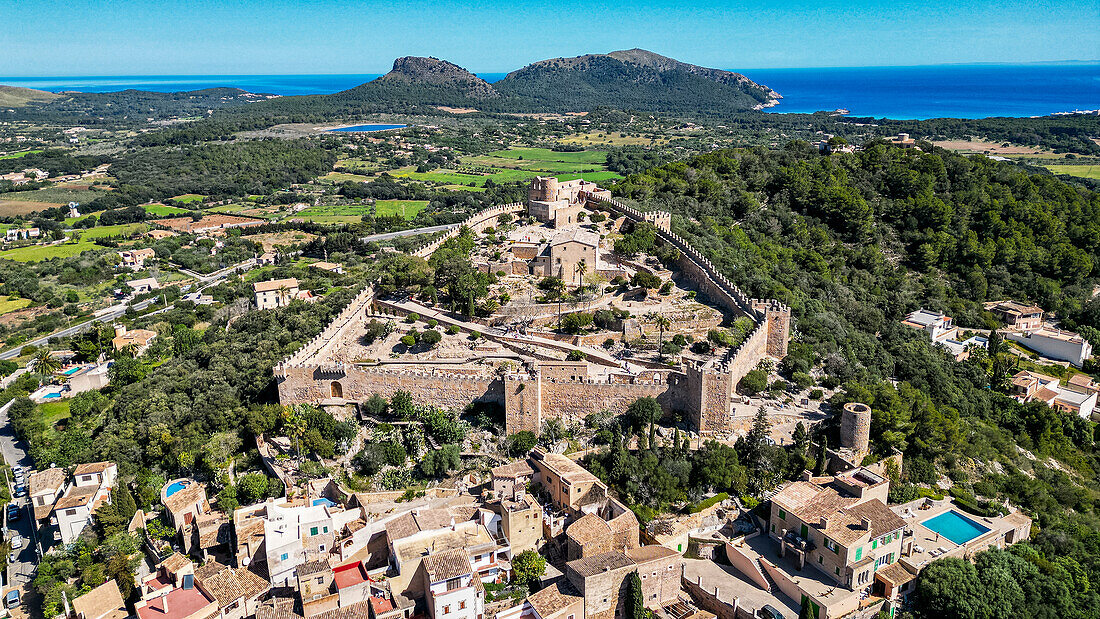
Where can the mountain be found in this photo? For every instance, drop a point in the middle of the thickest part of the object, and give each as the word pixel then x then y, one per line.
pixel 17 96
pixel 632 79
pixel 437 74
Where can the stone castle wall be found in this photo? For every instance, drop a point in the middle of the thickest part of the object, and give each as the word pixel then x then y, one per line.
pixel 530 398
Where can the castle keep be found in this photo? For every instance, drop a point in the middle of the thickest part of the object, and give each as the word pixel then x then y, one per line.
pixel 539 386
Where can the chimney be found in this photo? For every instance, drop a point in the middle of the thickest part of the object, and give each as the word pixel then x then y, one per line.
pixel 865 522
pixel 824 522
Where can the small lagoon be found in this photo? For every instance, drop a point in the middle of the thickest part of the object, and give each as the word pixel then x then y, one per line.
pixel 367 128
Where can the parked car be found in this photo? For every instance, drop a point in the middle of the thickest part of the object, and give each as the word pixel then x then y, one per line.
pixel 17 542
pixel 20 490
pixel 770 612
pixel 13 512
pixel 11 600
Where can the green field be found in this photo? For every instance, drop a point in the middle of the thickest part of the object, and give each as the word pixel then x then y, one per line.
pixel 53 412
pixel 37 253
pixel 334 214
pixel 120 230
pixel 594 177
pixel 1084 171
pixel 10 304
pixel 187 198
pixel 162 210
pixel 340 177
pixel 408 208
pixel 545 154
pixel 18 155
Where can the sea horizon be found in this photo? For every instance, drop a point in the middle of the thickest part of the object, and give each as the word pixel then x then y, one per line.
pixel 964 90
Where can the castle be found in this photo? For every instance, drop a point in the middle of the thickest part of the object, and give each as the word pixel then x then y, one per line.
pixel 544 389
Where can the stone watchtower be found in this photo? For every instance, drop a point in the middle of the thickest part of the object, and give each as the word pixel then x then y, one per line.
pixel 662 220
pixel 855 428
pixel 778 317
pixel 543 189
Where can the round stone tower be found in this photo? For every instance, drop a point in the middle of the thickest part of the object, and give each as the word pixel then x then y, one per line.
pixel 855 427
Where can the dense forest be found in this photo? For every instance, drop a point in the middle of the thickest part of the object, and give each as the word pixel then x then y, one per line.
pixel 853 243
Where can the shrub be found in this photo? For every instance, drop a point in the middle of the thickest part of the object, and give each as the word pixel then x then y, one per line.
pixel 802 379
pixel 753 383
pixel 413 317
pixel 704 504
pixel 431 338
pixel 433 323
pixel 575 355
pixel 453 329
pixel 409 341
pixel 575 322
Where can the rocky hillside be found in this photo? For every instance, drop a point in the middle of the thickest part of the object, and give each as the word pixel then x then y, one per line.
pixel 17 96
pixel 635 79
pixel 432 72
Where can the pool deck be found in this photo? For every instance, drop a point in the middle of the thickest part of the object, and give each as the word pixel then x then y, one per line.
pixel 929 545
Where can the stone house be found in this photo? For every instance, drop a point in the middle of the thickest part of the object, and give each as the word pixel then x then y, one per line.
pixel 564 252
pixel 91 489
pixel 103 602
pixel 237 591
pixel 451 585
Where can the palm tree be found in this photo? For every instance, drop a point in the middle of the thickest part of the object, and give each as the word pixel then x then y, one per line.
pixel 294 423
pixel 44 363
pixel 581 268
pixel 662 323
pixel 283 291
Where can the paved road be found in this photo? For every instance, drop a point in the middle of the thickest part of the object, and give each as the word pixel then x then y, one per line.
pixel 21 571
pixel 393 235
pixel 207 281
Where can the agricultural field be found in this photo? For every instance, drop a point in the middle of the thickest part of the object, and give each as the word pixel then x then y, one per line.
pixel 1084 171
pixel 10 304
pixel 18 155
pixel 334 214
pixel 545 154
pixel 188 198
pixel 58 194
pixel 37 253
pixel 163 210
pixel 340 177
pixel 230 209
pixel 406 208
pixel 596 138
pixel 16 208
pixel 271 240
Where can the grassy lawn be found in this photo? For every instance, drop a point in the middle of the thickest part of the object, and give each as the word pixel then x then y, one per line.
pixel 53 412
pixel 38 253
pixel 229 208
pixel 451 177
pixel 10 304
pixel 334 214
pixel 189 197
pixel 545 154
pixel 409 208
pixel 1084 171
pixel 595 177
pixel 162 210
pixel 18 155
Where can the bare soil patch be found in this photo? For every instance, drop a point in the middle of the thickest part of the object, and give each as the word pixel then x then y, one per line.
pixel 993 148
pixel 21 207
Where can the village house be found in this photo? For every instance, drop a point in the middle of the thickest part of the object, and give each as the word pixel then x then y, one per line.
pixel 452 587
pixel 942 331
pixel 1078 398
pixel 279 293
pixel 237 591
pixel 91 489
pixel 140 339
pixel 266 258
pixel 135 258
pixel 143 285
pixel 565 251
pixel 1017 316
pixel 1054 344
pixel 103 602
pixel 43 489
pixel 184 500
pixel 331 267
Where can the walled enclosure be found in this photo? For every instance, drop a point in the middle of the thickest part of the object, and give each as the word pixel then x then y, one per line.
pixel 529 398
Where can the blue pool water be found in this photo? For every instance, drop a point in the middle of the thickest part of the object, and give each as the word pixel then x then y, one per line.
pixel 52 395
pixel 368 128
pixel 955 527
pixel 71 371
pixel 174 488
pixel 325 502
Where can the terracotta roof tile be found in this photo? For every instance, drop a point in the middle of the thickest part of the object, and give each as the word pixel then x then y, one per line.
pixel 103 601
pixel 554 598
pixel 590 566
pixel 447 564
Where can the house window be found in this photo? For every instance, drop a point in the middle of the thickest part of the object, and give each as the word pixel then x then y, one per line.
pixel 874 544
pixel 453 583
pixel 284 557
pixel 70 512
pixel 447 609
pixel 462 605
pixel 782 515
pixel 313 530
pixel 831 545
pixel 321 547
pixel 680 548
pixel 320 580
pixel 859 553
pixel 837 570
pixel 324 529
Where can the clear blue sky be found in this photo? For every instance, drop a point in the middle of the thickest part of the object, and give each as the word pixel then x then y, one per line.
pixel 146 37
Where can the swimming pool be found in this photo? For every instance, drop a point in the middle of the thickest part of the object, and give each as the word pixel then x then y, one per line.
pixel 51 395
pixel 71 371
pixel 368 128
pixel 955 527
pixel 174 488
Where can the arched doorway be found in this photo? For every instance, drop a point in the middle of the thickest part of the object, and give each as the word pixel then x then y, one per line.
pixel 337 390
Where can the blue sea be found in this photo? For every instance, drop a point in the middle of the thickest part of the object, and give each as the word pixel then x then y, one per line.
pixel 957 91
